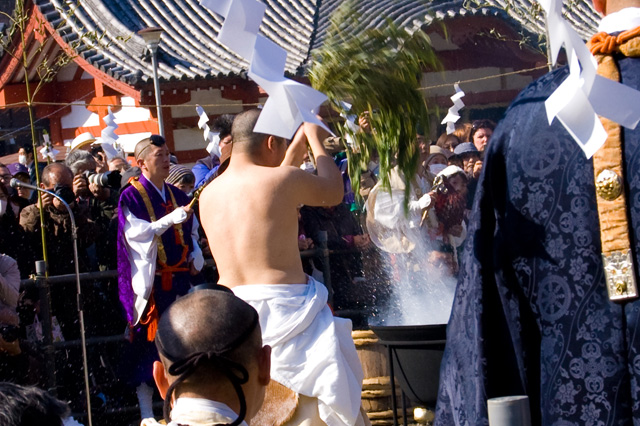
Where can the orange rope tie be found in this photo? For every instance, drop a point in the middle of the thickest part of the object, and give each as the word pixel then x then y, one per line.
pixel 151 319
pixel 166 271
pixel 166 274
pixel 605 44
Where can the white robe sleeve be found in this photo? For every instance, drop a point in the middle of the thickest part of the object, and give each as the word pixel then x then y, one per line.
pixel 388 210
pixel 142 250
pixel 423 203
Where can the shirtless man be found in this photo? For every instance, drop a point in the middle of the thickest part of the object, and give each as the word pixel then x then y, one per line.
pixel 257 201
pixel 257 255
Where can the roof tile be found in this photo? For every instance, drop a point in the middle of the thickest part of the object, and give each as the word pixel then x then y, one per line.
pixel 189 49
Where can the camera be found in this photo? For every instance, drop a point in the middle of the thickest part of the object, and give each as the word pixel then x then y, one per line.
pixel 9 333
pixel 439 187
pixel 109 179
pixel 65 192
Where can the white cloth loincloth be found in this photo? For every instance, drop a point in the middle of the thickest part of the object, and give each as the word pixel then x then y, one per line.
pixel 312 351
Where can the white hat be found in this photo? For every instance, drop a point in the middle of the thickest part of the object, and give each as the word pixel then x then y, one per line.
pixel 450 171
pixel 82 141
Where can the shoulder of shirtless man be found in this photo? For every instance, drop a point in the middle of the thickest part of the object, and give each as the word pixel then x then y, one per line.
pixel 249 213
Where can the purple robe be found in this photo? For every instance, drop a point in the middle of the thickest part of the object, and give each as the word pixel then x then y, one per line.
pixel 137 358
pixel 132 199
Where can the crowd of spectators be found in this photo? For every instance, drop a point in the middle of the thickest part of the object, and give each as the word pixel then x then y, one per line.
pixel 90 184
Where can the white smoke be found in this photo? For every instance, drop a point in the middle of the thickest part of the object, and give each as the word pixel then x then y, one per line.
pixel 421 289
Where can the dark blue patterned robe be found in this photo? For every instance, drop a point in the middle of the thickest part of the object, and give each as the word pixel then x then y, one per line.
pixel 531 313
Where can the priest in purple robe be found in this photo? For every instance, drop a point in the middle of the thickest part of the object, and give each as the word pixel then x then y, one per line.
pixel 158 253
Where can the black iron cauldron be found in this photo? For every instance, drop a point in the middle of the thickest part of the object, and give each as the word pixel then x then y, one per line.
pixel 416 352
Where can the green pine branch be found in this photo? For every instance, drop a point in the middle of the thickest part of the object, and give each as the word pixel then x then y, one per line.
pixel 378 71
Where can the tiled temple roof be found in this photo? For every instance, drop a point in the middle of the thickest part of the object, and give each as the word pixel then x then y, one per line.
pixel 189 50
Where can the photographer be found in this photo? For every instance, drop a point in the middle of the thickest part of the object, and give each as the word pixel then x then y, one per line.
pixel 91 179
pixel 103 207
pixel 102 162
pixel 99 192
pixel 57 177
pixel 82 165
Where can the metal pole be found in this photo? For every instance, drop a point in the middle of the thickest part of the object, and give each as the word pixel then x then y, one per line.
pixel 79 301
pixel 156 88
pixel 326 270
pixel 404 407
pixel 44 295
pixel 509 411
pixel 74 234
pixel 392 381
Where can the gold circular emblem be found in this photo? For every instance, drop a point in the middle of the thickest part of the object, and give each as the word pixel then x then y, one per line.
pixel 608 185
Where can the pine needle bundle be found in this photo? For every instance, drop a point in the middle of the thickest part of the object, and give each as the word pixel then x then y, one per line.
pixel 378 71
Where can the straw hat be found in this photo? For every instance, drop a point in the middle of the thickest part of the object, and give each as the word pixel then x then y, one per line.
pixel 82 141
pixel 436 150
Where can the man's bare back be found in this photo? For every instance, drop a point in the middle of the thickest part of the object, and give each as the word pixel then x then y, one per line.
pixel 249 213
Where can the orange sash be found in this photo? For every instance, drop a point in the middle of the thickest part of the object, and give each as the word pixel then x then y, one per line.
pixel 150 318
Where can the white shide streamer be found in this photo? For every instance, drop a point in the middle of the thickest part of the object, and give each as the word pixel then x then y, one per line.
pixel 48 150
pixel 290 103
pixel 212 138
pixel 109 139
pixel 350 121
pixel 453 115
pixel 584 95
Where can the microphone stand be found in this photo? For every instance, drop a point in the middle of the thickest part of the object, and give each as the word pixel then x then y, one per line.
pixel 74 234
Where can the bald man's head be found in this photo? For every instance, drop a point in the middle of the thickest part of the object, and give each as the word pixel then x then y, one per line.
pixel 56 174
pixel 209 321
pixel 242 134
pixel 209 342
pixel 607 7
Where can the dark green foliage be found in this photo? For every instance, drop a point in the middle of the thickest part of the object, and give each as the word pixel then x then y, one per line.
pixel 378 71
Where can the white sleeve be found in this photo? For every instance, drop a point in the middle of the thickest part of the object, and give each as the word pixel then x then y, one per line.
pixel 387 210
pixel 143 230
pixel 196 254
pixel 423 203
pixel 143 251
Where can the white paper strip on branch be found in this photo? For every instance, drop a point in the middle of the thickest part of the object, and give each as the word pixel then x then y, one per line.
pixel 453 115
pixel 212 138
pixel 584 95
pixel 290 103
pixel 350 121
pixel 48 151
